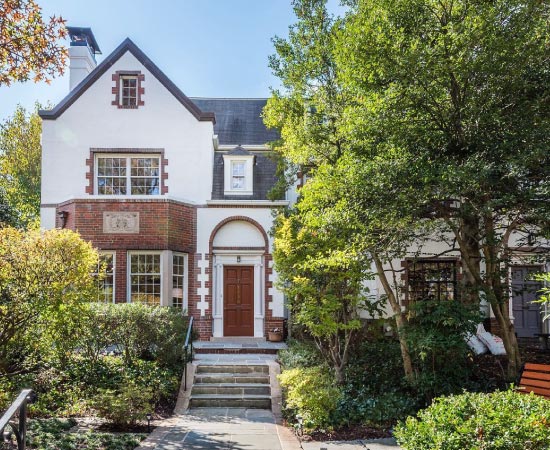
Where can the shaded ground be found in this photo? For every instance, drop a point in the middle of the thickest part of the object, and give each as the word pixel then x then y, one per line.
pixel 489 370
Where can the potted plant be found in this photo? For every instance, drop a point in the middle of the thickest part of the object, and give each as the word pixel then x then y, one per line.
pixel 275 335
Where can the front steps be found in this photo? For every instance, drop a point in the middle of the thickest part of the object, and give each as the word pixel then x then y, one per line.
pixel 238 346
pixel 231 386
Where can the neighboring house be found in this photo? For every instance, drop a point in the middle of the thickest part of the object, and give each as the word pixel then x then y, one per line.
pixel 173 191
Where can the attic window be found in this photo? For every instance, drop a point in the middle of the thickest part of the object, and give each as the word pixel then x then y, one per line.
pixel 128 95
pixel 128 89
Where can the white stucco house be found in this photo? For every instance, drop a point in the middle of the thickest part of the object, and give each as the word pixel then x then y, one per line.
pixel 173 191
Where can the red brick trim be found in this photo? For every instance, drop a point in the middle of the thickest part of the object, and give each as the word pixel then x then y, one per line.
pixel 90 162
pixel 240 248
pixel 116 88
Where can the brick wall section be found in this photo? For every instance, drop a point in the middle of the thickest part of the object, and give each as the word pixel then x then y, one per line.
pixel 163 225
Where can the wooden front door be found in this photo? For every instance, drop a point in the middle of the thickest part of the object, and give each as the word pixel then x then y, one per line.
pixel 527 315
pixel 238 301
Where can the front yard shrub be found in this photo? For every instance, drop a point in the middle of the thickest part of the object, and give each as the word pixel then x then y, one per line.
pixel 126 405
pixel 311 393
pixel 435 335
pixel 504 420
pixel 135 330
pixel 300 354
pixel 53 434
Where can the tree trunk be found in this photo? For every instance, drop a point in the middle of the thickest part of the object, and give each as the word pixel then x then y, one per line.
pixel 508 338
pixel 399 319
pixel 470 259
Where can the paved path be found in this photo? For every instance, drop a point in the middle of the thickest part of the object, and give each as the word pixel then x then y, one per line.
pixel 239 429
pixel 222 428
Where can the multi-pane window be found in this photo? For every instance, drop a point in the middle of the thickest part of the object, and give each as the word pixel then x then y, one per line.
pixel 114 178
pixel 178 277
pixel 106 278
pixel 238 174
pixel 129 90
pixel 432 280
pixel 145 278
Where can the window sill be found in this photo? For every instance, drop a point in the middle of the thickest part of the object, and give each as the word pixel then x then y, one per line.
pixel 238 193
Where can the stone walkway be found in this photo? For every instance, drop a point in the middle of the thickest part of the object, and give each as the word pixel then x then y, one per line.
pixel 222 428
pixel 240 429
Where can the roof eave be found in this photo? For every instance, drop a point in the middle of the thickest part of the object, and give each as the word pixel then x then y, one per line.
pixel 126 45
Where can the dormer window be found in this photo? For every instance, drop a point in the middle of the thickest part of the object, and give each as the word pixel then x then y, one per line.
pixel 238 172
pixel 238 179
pixel 129 86
pixel 128 89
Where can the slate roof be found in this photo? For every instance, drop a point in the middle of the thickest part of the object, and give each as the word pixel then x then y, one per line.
pixel 264 174
pixel 238 120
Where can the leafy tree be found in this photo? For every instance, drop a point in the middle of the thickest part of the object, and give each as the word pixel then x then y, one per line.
pixel 8 216
pixel 29 45
pixel 44 276
pixel 444 106
pixel 462 87
pixel 20 160
pixel 323 283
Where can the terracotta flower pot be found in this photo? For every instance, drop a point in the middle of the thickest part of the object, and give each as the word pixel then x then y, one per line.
pixel 274 336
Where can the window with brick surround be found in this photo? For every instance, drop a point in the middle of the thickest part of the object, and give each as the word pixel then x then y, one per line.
pixel 106 282
pixel 129 90
pixel 432 279
pixel 178 280
pixel 145 278
pixel 128 174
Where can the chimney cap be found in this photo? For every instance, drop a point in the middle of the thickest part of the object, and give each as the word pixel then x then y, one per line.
pixel 82 36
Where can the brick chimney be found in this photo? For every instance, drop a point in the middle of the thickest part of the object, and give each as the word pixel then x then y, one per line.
pixel 82 53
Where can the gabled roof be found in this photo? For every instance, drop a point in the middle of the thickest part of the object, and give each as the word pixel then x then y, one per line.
pixel 238 120
pixel 127 45
pixel 238 150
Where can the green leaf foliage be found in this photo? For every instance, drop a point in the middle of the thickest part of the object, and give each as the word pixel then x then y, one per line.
pixel 498 421
pixel 20 164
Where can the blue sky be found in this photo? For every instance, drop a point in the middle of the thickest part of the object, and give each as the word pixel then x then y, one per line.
pixel 209 48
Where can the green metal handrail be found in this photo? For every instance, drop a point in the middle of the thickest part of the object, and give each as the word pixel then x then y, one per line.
pixel 188 350
pixel 19 430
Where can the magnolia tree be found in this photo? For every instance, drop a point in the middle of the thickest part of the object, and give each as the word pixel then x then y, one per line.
pixel 44 278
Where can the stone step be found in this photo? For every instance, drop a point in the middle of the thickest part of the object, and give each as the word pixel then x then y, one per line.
pixel 230 401
pixel 236 351
pixel 232 368
pixel 231 389
pixel 253 377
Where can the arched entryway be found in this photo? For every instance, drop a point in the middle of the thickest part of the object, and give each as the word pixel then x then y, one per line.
pixel 238 248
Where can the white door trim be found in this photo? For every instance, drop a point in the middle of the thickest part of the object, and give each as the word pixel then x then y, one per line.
pixel 236 258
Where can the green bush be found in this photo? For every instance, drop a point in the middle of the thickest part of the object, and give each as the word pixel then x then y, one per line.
pixel 125 406
pixel 300 354
pixel 498 421
pixel 435 335
pixel 52 434
pixel 375 391
pixel 310 392
pixel 139 331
